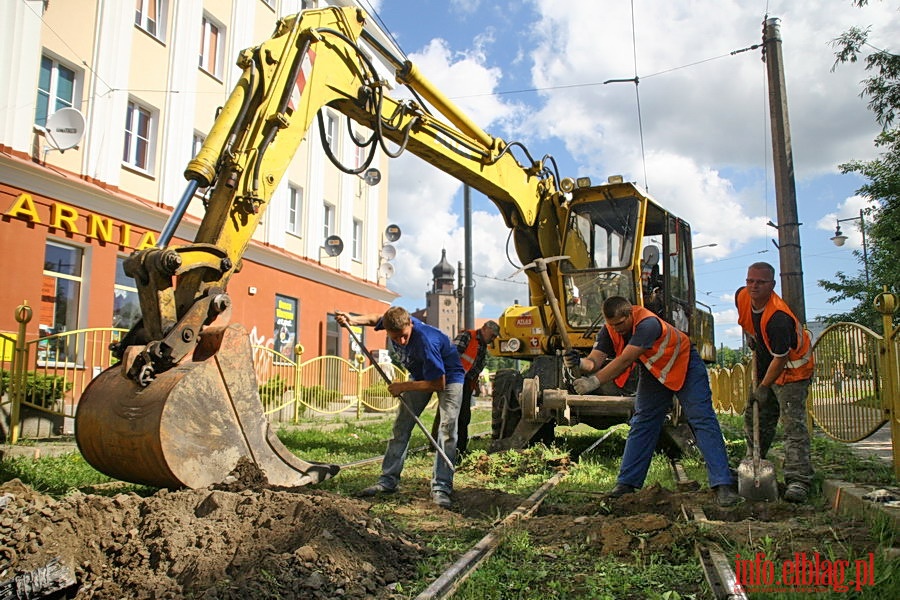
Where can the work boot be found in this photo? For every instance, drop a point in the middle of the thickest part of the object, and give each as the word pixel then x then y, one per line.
pixel 727 496
pixel 375 490
pixel 796 492
pixel 621 489
pixel 441 498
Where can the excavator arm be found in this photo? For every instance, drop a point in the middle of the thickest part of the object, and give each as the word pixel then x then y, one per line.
pixel 183 407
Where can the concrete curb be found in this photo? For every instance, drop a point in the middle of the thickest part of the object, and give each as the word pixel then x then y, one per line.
pixel 847 498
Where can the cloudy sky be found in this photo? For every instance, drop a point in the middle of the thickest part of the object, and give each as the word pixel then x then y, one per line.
pixel 532 71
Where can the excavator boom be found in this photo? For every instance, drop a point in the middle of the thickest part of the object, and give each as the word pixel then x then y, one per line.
pixel 183 407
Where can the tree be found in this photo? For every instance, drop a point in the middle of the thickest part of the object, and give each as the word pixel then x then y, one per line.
pixel 882 187
pixel 729 357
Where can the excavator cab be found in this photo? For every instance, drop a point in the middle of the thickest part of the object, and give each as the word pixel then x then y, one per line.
pixel 615 241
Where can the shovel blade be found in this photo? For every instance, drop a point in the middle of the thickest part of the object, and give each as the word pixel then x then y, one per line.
pixel 756 480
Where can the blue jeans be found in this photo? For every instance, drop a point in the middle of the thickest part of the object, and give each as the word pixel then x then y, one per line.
pixel 449 401
pixel 651 404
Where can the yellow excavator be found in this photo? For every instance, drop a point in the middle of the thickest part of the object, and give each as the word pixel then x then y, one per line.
pixel 181 408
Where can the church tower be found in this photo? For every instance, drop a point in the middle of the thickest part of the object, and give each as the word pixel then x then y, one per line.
pixel 442 302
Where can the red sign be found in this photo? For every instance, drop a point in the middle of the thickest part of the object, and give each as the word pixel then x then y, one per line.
pixel 524 321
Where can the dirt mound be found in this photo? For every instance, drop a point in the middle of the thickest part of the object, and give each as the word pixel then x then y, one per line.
pixel 237 542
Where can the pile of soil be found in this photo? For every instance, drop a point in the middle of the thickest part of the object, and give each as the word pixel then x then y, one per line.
pixel 232 541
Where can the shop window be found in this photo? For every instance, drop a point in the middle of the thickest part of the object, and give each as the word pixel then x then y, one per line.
pixel 150 15
pixel 57 85
pixel 332 337
pixel 285 338
pixel 295 210
pixel 126 307
pixel 60 302
pixel 139 143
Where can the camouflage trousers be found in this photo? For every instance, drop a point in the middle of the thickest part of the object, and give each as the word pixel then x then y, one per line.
pixel 787 402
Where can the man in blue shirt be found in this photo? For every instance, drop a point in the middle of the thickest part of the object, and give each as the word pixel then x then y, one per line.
pixel 434 366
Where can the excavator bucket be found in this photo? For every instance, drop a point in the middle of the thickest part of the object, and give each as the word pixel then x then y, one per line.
pixel 191 425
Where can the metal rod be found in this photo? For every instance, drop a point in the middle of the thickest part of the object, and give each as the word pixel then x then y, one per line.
pixel 168 231
pixel 387 380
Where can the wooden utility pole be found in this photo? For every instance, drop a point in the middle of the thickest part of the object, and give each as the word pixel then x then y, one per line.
pixel 785 192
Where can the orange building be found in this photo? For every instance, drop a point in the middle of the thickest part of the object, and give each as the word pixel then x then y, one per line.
pixel 71 214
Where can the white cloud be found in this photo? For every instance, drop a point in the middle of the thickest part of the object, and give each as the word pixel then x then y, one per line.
pixel 422 196
pixel 707 151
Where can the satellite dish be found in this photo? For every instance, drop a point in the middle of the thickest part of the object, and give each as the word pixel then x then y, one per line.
pixel 392 233
pixel 651 255
pixel 388 252
pixel 386 270
pixel 65 128
pixel 334 245
pixel 372 176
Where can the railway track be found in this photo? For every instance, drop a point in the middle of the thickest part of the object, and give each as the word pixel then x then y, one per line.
pixel 715 565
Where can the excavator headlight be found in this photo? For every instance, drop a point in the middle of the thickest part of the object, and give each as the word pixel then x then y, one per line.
pixel 511 345
pixel 567 184
pixel 615 179
pixel 583 182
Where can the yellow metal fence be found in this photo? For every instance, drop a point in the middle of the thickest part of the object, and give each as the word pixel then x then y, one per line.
pixel 41 381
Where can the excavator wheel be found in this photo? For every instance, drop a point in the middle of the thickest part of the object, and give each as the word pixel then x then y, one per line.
pixel 506 412
pixel 191 425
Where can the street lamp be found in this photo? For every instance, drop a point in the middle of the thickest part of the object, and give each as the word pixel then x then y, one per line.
pixel 713 245
pixel 839 239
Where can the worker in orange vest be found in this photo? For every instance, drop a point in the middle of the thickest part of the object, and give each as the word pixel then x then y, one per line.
pixel 472 346
pixel 784 369
pixel 668 365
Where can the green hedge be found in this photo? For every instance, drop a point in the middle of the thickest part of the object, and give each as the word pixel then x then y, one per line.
pixel 40 390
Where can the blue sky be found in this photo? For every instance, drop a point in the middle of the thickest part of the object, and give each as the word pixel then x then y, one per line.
pixel 532 71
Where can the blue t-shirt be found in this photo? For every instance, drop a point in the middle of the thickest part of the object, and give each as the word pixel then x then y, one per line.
pixel 429 354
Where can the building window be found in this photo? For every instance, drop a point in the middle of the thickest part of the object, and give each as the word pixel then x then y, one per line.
pixel 329 220
pixel 330 128
pixel 126 307
pixel 360 154
pixel 211 40
pixel 357 239
pixel 150 15
pixel 138 137
pixel 295 210
pixel 197 143
pixel 60 302
pixel 56 89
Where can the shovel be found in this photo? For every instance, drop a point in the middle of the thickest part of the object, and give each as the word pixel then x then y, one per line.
pixel 387 380
pixel 756 477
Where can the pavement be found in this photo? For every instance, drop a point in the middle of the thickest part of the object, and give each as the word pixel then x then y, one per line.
pixel 878 445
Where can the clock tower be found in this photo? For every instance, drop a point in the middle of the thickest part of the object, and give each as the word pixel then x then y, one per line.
pixel 442 302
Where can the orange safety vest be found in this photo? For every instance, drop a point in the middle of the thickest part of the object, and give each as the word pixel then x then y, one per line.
pixel 667 360
pixel 470 354
pixel 800 362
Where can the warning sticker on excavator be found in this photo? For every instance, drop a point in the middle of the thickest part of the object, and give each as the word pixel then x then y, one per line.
pixel 534 342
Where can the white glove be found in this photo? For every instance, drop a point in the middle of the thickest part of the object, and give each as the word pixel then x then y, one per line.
pixel 585 385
